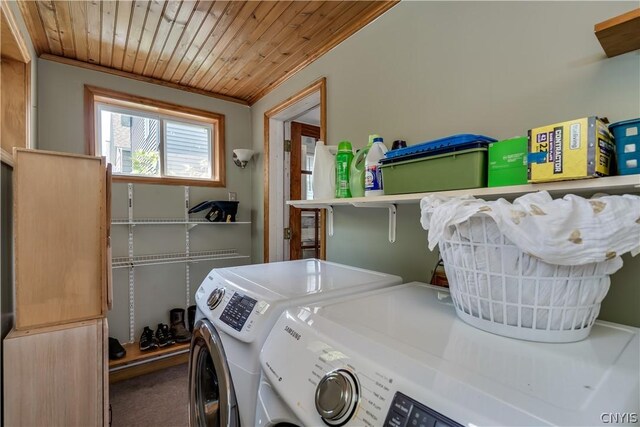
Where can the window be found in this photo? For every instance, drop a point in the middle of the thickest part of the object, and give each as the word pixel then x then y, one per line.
pixel 155 142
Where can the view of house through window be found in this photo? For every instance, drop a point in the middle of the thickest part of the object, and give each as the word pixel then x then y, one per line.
pixel 145 141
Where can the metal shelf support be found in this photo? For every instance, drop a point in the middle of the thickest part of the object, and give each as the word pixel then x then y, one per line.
pixel 392 215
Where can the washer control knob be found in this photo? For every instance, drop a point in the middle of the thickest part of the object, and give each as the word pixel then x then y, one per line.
pixel 215 298
pixel 337 397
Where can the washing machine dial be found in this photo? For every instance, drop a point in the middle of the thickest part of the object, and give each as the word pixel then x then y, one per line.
pixel 337 396
pixel 215 298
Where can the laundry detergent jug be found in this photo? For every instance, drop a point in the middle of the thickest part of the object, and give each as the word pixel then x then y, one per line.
pixel 356 171
pixel 373 173
pixel 323 178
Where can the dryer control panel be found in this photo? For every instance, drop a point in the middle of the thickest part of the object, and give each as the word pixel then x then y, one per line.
pixel 237 310
pixel 406 412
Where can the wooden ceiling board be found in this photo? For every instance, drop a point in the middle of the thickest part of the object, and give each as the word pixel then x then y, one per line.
pixel 151 23
pixel 245 13
pixel 138 19
pixel 182 21
pixel 298 14
pixel 259 18
pixel 333 12
pixel 228 16
pixel 94 35
pixel 198 18
pixel 234 50
pixel 193 51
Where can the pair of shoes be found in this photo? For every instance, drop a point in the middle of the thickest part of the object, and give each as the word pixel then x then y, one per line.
pixel 162 337
pixel 180 333
pixel 116 350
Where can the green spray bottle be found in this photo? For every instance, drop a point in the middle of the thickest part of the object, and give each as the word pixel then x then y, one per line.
pixel 357 172
pixel 343 166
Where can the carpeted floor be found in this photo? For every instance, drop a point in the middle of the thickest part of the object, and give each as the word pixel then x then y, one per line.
pixel 158 399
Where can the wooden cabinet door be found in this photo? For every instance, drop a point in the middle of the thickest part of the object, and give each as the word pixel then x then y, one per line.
pixel 56 376
pixel 60 229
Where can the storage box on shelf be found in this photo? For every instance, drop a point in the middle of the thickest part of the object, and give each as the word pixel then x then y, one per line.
pixel 627 138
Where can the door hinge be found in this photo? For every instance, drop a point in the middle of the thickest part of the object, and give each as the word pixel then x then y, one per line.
pixel 287 145
pixel 287 234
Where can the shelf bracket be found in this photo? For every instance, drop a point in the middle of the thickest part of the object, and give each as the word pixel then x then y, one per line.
pixel 392 215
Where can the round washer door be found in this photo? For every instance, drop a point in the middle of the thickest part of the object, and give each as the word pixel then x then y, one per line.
pixel 212 399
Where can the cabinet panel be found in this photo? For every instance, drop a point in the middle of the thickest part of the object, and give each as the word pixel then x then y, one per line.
pixel 56 376
pixel 60 238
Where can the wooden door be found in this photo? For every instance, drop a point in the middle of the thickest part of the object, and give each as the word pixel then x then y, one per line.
pixel 304 224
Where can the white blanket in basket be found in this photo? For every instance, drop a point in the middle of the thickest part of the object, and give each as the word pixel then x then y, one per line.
pixel 569 231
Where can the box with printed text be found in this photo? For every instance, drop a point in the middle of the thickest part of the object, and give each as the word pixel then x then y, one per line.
pixel 574 149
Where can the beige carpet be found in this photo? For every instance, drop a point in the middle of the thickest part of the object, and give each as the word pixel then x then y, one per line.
pixel 158 399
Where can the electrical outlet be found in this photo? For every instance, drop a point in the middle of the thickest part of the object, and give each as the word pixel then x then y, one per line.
pixel 233 196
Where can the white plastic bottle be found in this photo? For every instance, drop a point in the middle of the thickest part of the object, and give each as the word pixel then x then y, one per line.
pixel 323 179
pixel 373 173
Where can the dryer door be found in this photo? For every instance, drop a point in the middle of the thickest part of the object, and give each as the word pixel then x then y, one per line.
pixel 212 399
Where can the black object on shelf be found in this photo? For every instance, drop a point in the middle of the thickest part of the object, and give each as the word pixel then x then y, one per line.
pixel 116 350
pixel 219 211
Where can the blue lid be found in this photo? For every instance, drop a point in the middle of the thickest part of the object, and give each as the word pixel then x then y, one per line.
pixel 438 145
pixel 377 139
pixel 625 122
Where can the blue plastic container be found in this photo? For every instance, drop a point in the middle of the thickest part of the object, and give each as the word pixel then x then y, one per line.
pixel 439 146
pixel 627 137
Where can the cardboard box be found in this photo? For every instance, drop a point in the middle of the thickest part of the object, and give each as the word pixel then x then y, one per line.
pixel 575 149
pixel 508 162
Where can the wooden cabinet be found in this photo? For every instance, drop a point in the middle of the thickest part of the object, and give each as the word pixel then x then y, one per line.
pixel 57 376
pixel 61 228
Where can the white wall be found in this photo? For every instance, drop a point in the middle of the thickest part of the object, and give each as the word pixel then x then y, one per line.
pixel 429 69
pixel 157 288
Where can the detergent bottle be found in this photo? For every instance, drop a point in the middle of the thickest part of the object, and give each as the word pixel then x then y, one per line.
pixel 323 179
pixel 373 172
pixel 356 173
pixel 343 163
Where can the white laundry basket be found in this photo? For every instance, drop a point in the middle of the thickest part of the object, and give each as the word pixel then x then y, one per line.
pixel 500 289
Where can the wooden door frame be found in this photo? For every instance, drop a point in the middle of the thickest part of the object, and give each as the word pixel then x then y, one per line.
pixel 317 86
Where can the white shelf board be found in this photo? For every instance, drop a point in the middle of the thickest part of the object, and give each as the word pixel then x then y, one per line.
pixel 611 185
pixel 171 221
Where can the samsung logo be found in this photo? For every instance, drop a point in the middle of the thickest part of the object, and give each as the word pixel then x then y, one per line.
pixel 292 333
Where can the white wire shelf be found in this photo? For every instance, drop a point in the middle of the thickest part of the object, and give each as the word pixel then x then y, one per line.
pixel 172 221
pixel 175 258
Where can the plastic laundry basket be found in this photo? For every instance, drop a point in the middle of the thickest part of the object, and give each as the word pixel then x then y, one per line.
pixel 498 288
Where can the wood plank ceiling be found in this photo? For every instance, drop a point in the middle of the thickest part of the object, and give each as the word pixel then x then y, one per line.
pixel 236 50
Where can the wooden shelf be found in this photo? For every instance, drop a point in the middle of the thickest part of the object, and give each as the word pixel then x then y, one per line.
pixel 620 34
pixel 610 185
pixel 137 362
pixel 135 356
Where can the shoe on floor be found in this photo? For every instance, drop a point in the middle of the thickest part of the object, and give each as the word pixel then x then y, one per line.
pixel 164 336
pixel 178 329
pixel 116 350
pixel 147 340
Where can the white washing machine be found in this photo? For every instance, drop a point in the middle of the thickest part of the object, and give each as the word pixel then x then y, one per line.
pixel 400 357
pixel 236 309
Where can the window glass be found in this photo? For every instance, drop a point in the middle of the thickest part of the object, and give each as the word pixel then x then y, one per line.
pixel 188 149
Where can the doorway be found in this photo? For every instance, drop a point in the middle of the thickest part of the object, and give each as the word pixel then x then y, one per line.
pixel 291 233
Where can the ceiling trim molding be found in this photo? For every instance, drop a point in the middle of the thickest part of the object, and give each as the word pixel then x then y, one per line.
pixel 125 74
pixel 353 28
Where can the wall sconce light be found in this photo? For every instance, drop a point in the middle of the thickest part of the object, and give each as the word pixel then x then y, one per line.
pixel 241 157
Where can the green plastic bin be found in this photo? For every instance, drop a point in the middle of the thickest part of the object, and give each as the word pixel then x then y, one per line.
pixel 508 162
pixel 450 171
